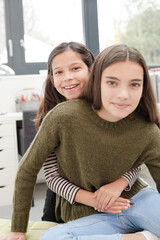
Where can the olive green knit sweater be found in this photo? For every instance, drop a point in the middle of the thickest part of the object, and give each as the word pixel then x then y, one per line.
pixel 91 152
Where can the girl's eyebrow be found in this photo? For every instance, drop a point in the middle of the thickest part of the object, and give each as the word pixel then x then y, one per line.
pixel 132 80
pixel 137 80
pixel 72 64
pixel 75 63
pixel 114 78
pixel 56 68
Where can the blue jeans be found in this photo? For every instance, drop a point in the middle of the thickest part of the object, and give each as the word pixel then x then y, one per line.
pixel 143 215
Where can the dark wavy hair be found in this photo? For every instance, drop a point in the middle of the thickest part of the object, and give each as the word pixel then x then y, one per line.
pixel 113 54
pixel 51 96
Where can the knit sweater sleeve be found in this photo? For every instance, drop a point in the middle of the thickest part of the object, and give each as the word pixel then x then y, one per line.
pixel 55 182
pixel 42 145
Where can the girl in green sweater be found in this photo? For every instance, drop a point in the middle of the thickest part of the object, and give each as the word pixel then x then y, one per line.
pixel 91 148
pixel 118 124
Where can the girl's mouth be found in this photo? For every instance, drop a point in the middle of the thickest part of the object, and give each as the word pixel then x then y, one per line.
pixel 70 87
pixel 120 106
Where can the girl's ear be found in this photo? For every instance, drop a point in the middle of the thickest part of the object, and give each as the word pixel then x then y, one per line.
pixel 51 78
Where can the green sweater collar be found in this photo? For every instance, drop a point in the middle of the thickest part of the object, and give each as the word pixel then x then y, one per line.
pixel 121 124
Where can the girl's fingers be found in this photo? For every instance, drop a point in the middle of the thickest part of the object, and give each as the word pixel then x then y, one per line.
pixel 99 203
pixel 110 202
pixel 102 202
pixel 113 211
pixel 105 203
pixel 122 200
pixel 117 209
pixel 14 236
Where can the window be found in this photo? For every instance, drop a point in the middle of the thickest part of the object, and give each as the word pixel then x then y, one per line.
pixel 48 23
pixel 135 23
pixel 34 28
pixel 3 50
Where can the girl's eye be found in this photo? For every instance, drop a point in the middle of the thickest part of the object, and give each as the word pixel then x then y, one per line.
pixel 76 68
pixel 58 72
pixel 111 83
pixel 135 85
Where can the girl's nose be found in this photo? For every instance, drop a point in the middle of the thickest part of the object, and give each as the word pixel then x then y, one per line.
pixel 68 76
pixel 123 93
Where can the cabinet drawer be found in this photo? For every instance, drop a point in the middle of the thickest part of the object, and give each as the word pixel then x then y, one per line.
pixel 6 129
pixel 6 193
pixel 7 158
pixel 7 176
pixel 6 142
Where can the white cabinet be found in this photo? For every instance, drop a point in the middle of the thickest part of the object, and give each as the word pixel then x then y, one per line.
pixel 8 156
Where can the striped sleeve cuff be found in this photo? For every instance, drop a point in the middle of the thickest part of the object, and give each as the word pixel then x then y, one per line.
pixel 131 177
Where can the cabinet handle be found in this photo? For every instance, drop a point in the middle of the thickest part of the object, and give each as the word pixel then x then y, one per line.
pixel 1 169
pixel 2 186
pixel 1 150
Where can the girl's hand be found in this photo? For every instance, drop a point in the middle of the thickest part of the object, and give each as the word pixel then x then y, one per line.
pixel 14 236
pixel 106 195
pixel 119 205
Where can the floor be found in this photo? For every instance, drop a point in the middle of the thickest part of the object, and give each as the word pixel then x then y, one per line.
pixel 39 196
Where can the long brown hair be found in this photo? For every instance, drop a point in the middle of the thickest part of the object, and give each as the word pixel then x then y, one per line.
pixel 110 55
pixel 51 96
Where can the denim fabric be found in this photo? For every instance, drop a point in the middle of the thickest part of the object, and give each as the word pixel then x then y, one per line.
pixel 143 215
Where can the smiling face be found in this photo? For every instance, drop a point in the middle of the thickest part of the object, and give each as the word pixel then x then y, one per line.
pixel 70 74
pixel 121 90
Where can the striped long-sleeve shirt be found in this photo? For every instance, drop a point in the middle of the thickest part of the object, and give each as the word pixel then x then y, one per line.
pixel 68 190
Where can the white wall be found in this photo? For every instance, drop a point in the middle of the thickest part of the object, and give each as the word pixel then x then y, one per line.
pixel 10 85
